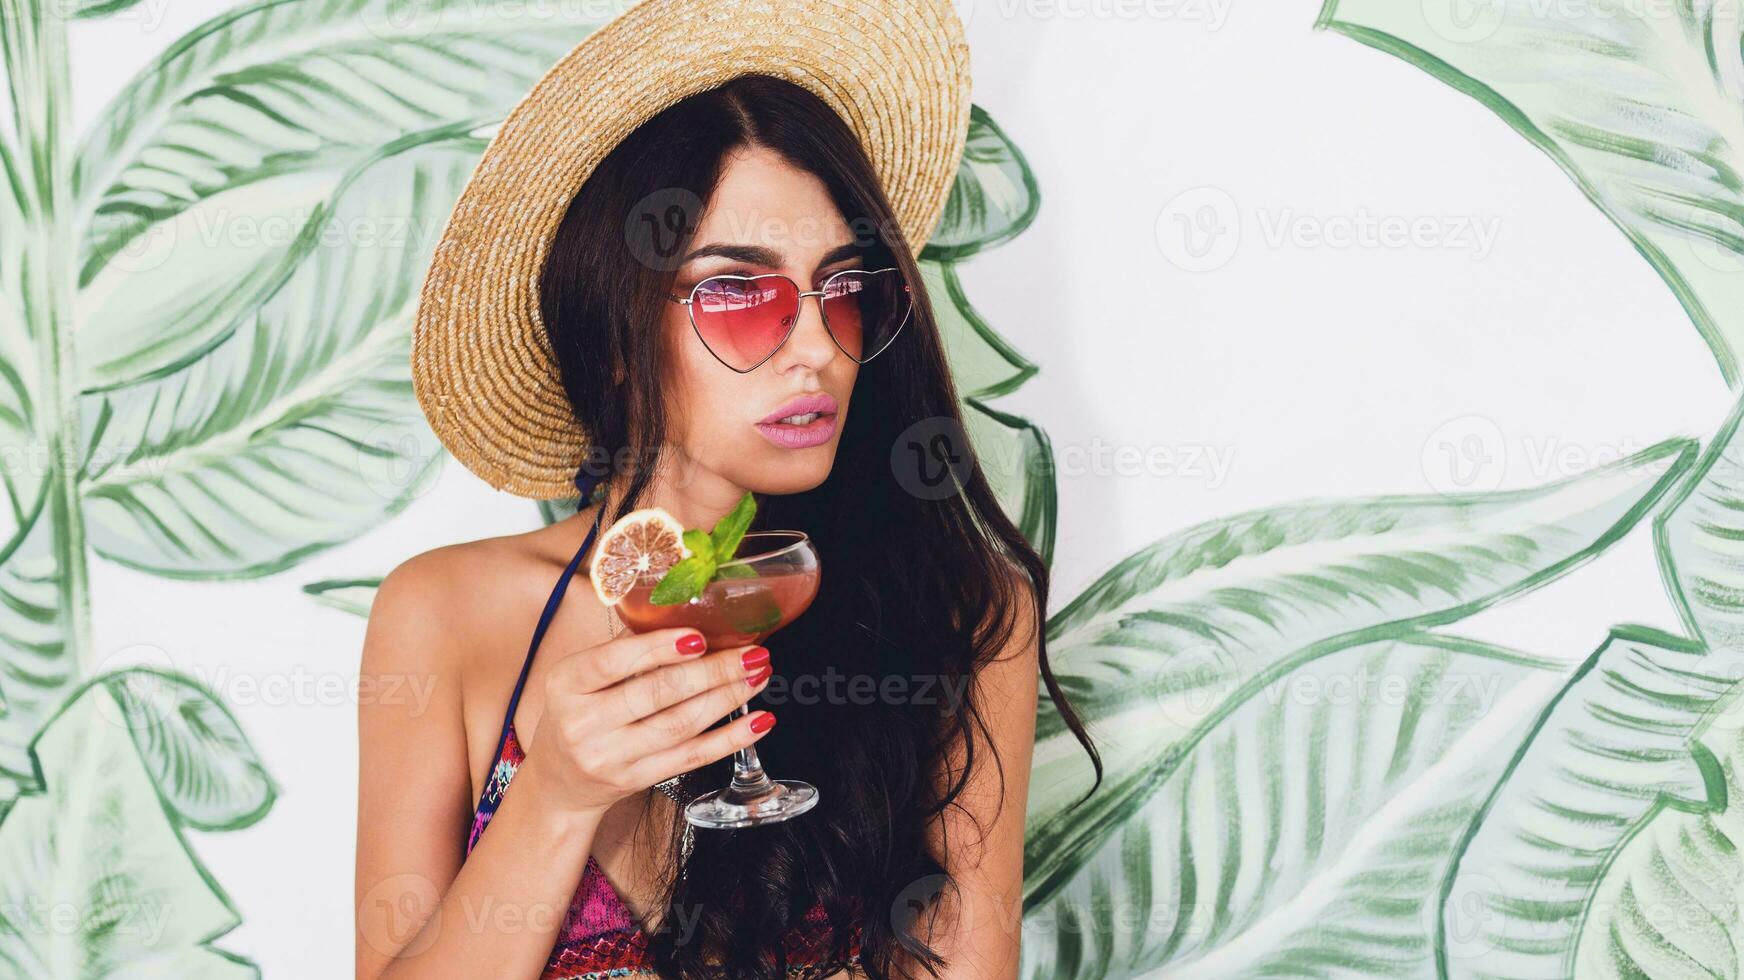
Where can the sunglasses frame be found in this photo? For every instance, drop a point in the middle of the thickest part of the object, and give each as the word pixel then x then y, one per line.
pixel 689 303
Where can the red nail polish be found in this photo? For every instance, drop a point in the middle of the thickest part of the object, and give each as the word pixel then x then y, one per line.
pixel 760 676
pixel 755 657
pixel 762 722
pixel 692 643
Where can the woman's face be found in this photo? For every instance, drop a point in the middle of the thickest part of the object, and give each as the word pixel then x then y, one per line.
pixel 765 216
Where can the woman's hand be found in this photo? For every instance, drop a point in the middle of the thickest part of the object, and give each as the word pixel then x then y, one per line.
pixel 631 712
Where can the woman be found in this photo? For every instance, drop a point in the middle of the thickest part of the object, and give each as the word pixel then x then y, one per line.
pixel 912 863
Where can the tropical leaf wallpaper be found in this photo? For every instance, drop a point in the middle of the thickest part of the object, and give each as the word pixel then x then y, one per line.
pixel 1506 814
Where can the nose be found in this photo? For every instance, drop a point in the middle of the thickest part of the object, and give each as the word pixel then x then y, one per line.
pixel 810 345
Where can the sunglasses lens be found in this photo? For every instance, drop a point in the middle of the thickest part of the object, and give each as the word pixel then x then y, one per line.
pixel 743 320
pixel 865 310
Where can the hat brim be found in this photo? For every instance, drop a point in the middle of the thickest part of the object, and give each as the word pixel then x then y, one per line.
pixel 897 71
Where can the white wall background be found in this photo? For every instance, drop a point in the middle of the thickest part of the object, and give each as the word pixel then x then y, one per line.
pixel 1308 366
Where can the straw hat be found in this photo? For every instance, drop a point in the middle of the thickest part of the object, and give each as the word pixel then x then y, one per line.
pixel 897 71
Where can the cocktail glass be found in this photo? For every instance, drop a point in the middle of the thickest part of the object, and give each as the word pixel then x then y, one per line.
pixel 769 584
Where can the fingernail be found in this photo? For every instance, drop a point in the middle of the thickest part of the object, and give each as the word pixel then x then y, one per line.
pixel 760 676
pixel 762 722
pixel 692 643
pixel 755 657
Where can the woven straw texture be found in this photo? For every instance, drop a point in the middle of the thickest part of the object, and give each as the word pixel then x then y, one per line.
pixel 896 70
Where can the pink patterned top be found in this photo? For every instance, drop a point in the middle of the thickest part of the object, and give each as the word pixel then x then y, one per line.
pixel 599 938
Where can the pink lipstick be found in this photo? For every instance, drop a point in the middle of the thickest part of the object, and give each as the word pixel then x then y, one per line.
pixel 809 420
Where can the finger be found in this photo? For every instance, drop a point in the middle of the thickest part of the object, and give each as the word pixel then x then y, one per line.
pixel 599 667
pixel 658 689
pixel 700 750
pixel 672 725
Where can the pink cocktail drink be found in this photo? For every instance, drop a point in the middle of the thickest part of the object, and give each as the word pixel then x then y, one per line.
pixel 771 581
pixel 731 611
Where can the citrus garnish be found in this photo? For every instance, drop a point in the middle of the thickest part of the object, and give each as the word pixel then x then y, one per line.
pixel 642 541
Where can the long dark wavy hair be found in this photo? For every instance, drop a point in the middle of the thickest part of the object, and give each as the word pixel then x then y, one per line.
pixel 913 588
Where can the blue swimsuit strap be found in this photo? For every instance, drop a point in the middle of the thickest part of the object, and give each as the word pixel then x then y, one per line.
pixel 551 605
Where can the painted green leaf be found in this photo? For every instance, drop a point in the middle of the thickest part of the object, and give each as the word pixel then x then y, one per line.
pixel 1668 902
pixel 95 878
pixel 1700 538
pixel 204 767
pixel 1617 745
pixel 1013 453
pixel 23 427
pixel 37 545
pixel 1018 452
pixel 219 155
pixel 993 199
pixel 1637 102
pixel 1311 824
pixel 1156 649
pixel 206 473
pixel 36 667
pixel 1668 907
pixel 100 8
pixel 352 595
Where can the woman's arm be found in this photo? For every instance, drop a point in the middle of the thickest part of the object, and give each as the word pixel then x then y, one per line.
pixel 617 718
pixel 981 836
pixel 498 915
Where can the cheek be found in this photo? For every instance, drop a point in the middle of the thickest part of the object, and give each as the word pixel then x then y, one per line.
pixel 698 390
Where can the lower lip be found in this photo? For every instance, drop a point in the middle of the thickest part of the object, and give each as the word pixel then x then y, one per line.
pixel 815 433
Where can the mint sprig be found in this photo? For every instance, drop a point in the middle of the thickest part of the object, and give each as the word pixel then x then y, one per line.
pixel 686 580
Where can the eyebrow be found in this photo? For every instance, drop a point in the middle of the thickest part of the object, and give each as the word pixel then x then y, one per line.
pixel 764 255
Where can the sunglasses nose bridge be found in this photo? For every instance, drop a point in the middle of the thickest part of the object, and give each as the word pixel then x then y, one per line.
pixel 799 310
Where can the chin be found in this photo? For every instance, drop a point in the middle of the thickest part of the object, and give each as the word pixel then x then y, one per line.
pixel 792 471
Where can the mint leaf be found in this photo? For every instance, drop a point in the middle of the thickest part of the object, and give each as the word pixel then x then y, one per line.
pixel 687 579
pixel 683 581
pixel 699 543
pixel 730 529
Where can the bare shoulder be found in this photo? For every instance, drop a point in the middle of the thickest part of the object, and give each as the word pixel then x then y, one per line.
pixel 448 606
pixel 462 612
pixel 1020 629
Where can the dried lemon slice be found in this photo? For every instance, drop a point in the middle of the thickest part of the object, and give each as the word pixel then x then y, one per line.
pixel 645 540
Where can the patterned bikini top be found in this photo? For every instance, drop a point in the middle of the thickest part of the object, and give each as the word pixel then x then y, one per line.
pixel 599 938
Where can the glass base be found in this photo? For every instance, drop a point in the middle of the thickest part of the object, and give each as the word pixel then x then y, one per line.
pixel 736 806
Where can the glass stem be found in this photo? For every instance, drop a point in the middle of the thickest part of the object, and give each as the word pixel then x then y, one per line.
pixel 748 774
